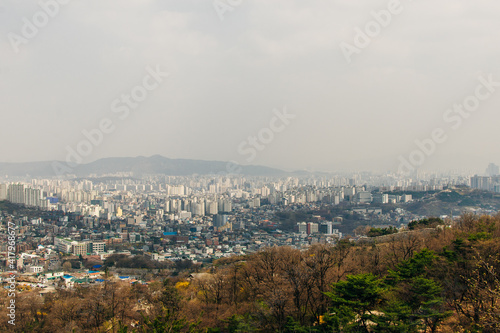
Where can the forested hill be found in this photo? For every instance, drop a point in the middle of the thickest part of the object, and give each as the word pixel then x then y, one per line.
pixel 446 280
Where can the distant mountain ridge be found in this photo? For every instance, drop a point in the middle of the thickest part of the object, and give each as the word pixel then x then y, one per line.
pixel 138 165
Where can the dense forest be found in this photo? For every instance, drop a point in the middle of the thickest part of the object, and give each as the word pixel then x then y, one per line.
pixel 446 280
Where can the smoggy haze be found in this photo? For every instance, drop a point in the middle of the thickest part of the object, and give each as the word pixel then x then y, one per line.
pixel 228 78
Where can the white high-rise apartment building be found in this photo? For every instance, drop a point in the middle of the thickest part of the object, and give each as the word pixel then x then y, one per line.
pixel 32 197
pixel 16 193
pixel 3 191
pixel 212 207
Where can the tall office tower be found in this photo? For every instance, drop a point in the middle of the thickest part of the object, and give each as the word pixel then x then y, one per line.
pixel 16 193
pixel 492 170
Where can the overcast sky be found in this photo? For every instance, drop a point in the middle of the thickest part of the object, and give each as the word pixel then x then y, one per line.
pixel 226 76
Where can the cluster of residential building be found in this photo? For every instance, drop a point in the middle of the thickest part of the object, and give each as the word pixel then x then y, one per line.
pixel 198 218
pixel 490 181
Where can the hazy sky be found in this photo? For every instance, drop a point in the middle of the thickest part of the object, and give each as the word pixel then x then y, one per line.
pixel 227 76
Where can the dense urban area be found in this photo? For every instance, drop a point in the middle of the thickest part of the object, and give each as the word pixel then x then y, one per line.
pixel 76 233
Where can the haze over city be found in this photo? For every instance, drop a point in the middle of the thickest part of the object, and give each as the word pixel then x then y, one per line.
pixel 249 166
pixel 359 102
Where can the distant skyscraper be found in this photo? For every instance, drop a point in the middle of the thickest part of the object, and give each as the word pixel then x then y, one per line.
pixel 492 170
